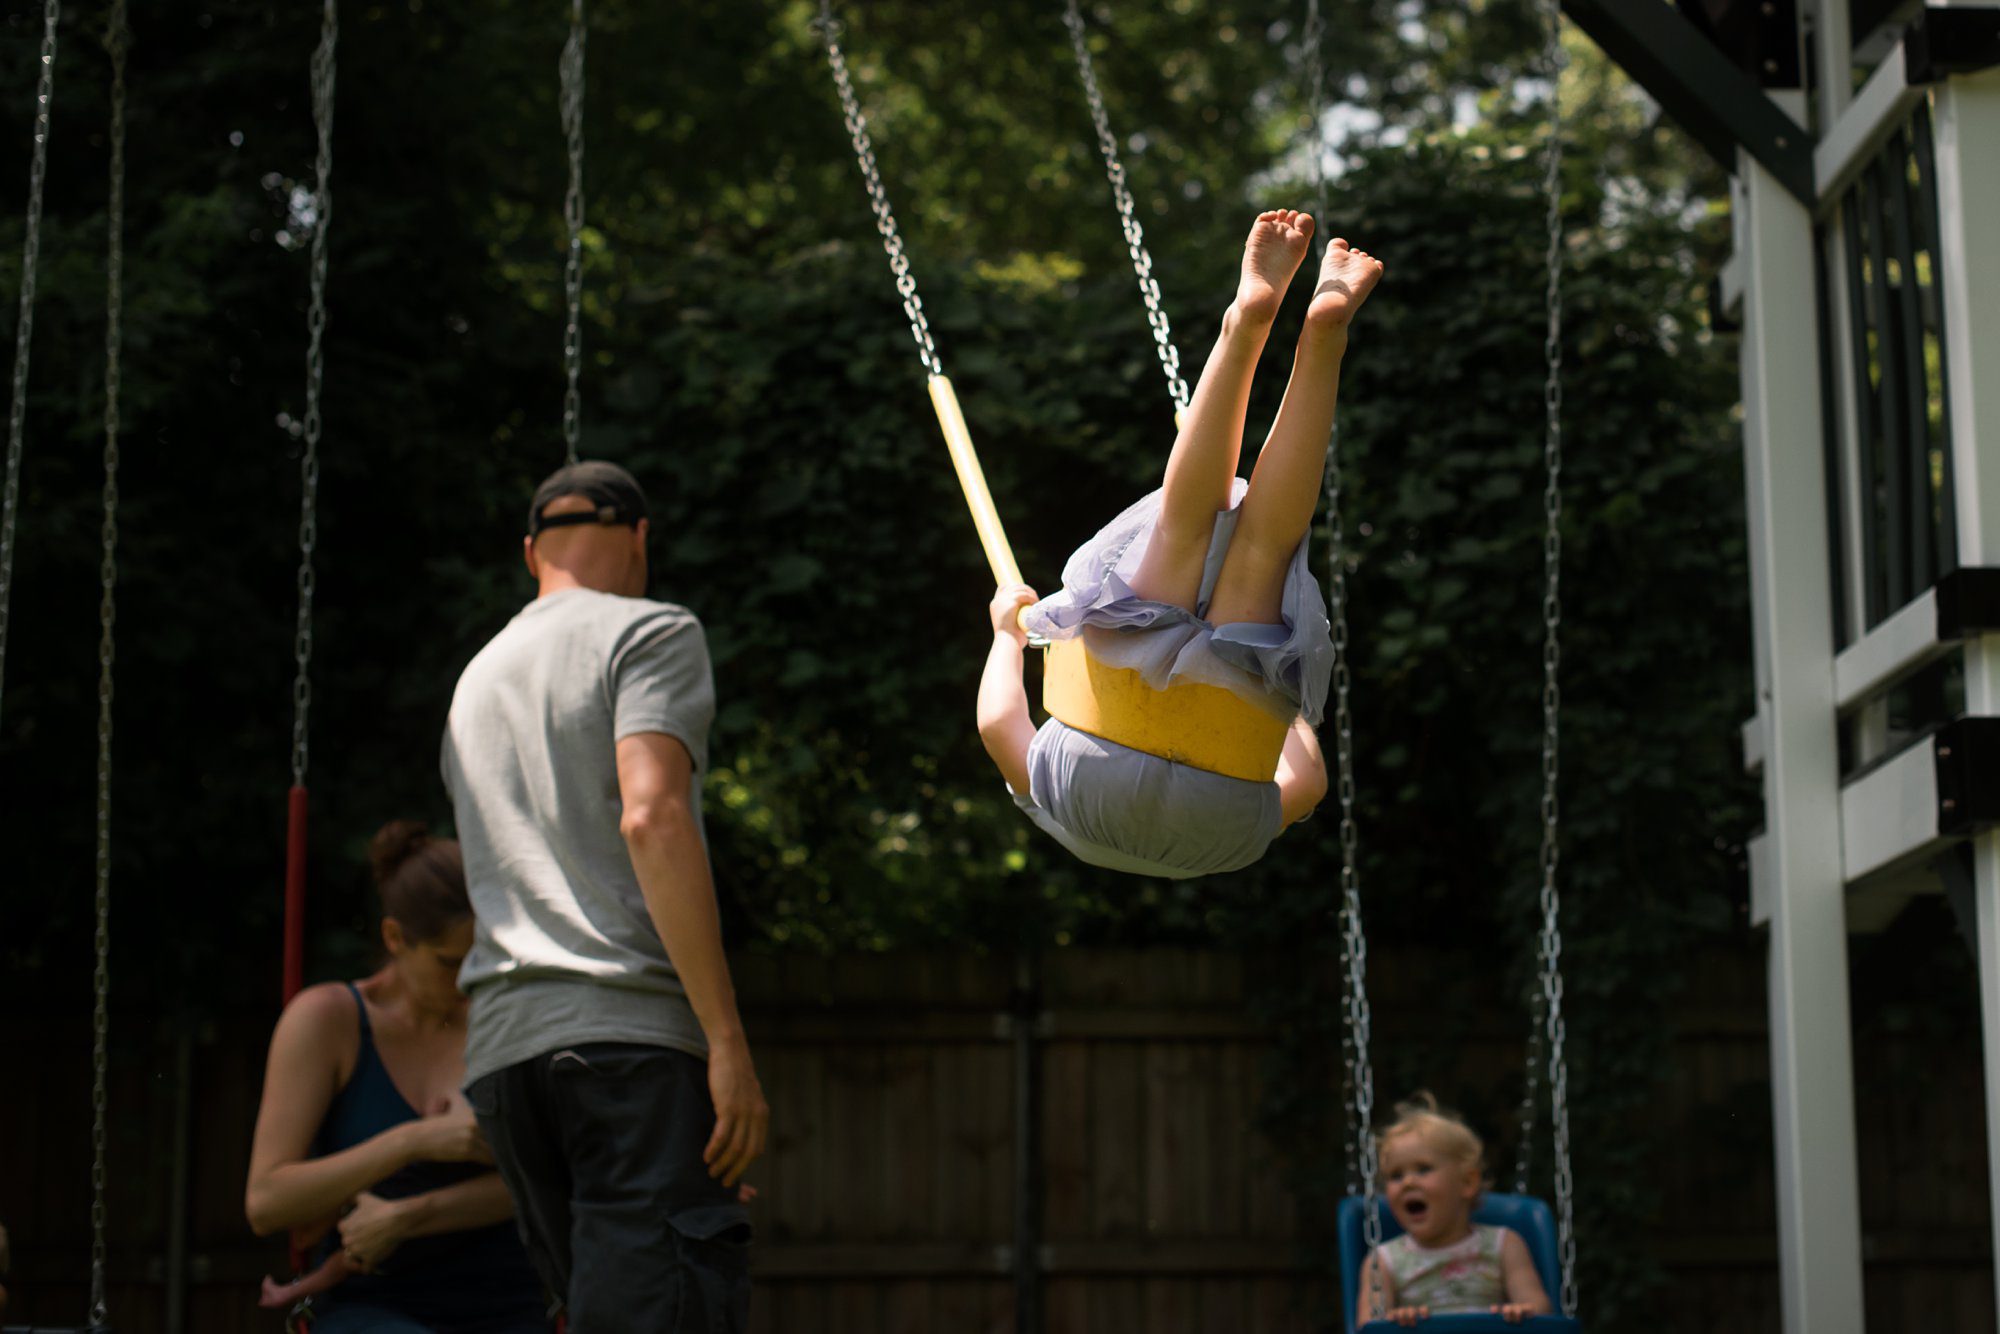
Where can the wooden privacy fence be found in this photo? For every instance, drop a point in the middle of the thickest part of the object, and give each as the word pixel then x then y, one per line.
pixel 987 1146
pixel 990 1145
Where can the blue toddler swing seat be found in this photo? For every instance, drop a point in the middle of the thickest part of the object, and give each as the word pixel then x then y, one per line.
pixel 1524 1213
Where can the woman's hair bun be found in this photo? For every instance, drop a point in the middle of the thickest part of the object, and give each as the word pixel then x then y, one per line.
pixel 419 879
pixel 395 843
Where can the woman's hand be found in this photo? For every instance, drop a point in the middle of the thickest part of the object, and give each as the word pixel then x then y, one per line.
pixel 372 1230
pixel 1005 610
pixel 448 1136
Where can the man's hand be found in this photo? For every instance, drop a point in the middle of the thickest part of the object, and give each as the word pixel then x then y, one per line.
pixel 1005 610
pixel 742 1118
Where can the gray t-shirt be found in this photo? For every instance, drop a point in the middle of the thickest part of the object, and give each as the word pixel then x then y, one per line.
pixel 564 951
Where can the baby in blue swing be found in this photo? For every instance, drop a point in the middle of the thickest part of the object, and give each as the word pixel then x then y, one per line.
pixel 1432 1169
pixel 1204 581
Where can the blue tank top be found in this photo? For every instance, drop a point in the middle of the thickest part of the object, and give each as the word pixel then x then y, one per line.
pixel 465 1282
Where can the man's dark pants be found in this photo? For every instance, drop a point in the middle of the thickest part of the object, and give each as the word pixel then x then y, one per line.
pixel 600 1146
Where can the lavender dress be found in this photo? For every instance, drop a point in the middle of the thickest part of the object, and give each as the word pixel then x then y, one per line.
pixel 1130 811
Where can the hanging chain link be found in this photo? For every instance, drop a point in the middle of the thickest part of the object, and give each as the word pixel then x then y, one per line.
pixel 322 90
pixel 1312 38
pixel 1135 235
pixel 1551 937
pixel 878 198
pixel 117 40
pixel 31 251
pixel 1355 1128
pixel 572 123
pixel 1358 1076
pixel 1531 1091
pixel 1360 1071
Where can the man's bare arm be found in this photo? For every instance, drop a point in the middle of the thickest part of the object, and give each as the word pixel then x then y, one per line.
pixel 655 781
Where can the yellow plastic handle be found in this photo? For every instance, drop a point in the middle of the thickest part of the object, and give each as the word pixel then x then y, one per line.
pixel 972 480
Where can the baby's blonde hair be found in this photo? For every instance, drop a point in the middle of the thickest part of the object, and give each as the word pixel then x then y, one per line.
pixel 1443 1130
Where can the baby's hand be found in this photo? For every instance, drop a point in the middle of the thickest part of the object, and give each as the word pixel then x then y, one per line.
pixel 1005 610
pixel 1512 1312
pixel 1409 1315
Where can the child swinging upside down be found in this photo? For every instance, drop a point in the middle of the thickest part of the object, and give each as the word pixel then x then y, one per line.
pixel 1432 1170
pixel 1203 581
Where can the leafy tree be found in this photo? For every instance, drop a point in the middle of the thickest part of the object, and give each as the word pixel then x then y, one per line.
pixel 745 355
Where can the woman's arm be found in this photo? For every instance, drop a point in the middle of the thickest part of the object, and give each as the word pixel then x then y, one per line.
pixel 1525 1296
pixel 287 1188
pixel 1004 722
pixel 479 1202
pixel 370 1234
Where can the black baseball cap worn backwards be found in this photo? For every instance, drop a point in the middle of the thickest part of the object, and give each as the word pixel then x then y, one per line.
pixel 610 488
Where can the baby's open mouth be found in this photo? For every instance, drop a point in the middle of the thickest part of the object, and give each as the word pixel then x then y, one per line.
pixel 1415 1208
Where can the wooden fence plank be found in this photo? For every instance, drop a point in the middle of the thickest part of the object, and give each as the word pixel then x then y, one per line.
pixel 1117 1129
pixel 1066 1146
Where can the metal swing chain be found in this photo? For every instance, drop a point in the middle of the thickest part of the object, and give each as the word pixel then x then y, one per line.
pixel 1531 1092
pixel 117 40
pixel 1135 235
pixel 878 197
pixel 31 250
pixel 1354 943
pixel 1551 935
pixel 323 70
pixel 1359 1071
pixel 1315 66
pixel 572 123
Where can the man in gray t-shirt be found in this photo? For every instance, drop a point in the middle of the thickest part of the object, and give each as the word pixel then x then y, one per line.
pixel 604 1053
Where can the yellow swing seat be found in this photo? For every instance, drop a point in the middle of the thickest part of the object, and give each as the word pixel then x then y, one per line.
pixel 1190 722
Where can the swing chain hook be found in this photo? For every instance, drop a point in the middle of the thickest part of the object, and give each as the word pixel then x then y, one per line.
pixel 572 75
pixel 830 31
pixel 31 250
pixel 1121 192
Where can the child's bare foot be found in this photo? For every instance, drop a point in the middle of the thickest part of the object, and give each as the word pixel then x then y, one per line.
pixel 1271 256
pixel 1346 277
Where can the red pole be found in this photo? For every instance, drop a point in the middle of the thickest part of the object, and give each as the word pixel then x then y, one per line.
pixel 295 894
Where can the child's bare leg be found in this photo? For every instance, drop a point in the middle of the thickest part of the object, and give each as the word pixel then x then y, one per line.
pixel 1284 488
pixel 1203 462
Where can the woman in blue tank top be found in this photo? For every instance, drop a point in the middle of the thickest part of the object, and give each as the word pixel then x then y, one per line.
pixel 365 1149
